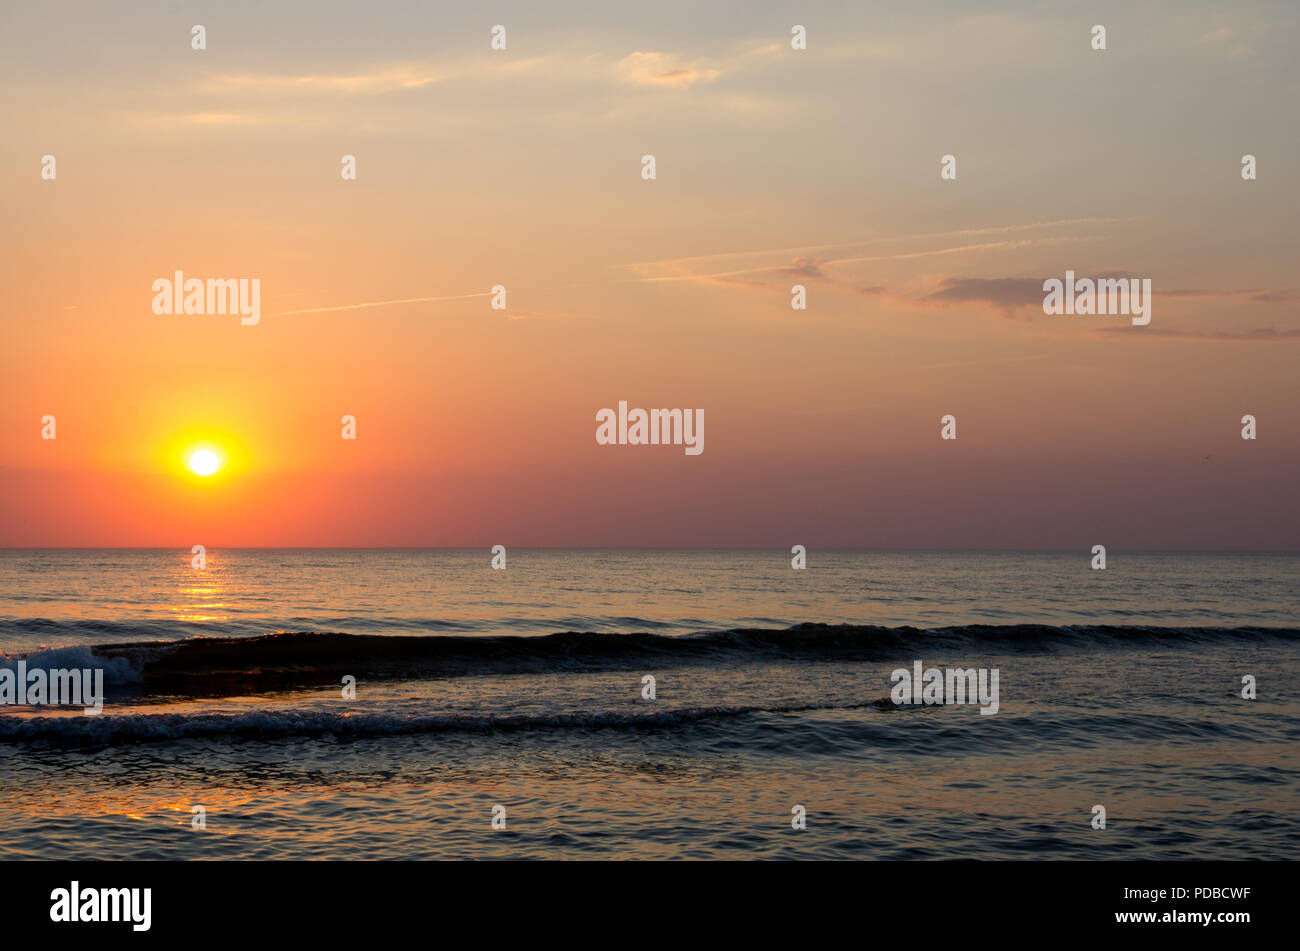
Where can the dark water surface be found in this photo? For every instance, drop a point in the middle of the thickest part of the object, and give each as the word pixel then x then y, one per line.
pixel 522 688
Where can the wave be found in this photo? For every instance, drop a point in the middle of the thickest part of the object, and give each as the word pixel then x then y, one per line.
pixel 139 628
pixel 216 666
pixel 274 724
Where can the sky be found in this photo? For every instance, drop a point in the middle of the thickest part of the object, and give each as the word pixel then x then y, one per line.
pixel 522 167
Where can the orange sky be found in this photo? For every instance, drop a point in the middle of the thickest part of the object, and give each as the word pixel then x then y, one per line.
pixel 522 168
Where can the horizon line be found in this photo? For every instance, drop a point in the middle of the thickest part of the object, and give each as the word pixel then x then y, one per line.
pixel 747 548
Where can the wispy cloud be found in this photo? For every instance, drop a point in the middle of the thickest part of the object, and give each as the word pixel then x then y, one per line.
pixel 818 268
pixel 1005 294
pixel 1255 335
pixel 382 303
pixel 1226 42
pixel 655 68
pixel 845 248
pixel 220 118
pixel 380 79
pixel 1008 294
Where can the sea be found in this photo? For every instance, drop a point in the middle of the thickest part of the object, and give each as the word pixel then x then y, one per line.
pixel 628 704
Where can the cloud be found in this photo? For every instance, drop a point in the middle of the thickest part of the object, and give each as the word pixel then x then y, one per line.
pixel 961 249
pixel 769 277
pixel 382 303
pixel 845 249
pixel 1007 294
pixel 220 118
pixel 1002 293
pixel 662 69
pixel 807 269
pixel 384 79
pixel 1255 335
pixel 1226 42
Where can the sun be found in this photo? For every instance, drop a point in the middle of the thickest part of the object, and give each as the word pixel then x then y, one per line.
pixel 203 456
pixel 203 462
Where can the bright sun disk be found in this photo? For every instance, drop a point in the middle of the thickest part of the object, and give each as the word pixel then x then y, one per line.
pixel 204 462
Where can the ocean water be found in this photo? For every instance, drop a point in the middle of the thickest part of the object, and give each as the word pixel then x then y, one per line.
pixel 522 689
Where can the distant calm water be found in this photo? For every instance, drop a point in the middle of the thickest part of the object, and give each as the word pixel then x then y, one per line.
pixel 523 687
